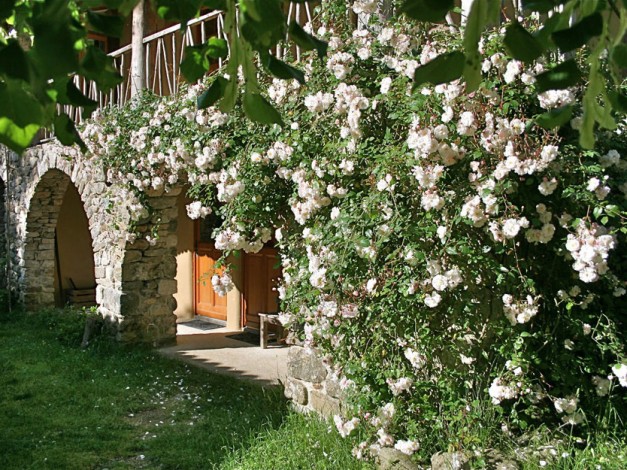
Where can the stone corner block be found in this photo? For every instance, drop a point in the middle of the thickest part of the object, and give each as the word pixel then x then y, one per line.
pixel 296 391
pixel 389 458
pixel 450 460
pixel 324 404
pixel 305 365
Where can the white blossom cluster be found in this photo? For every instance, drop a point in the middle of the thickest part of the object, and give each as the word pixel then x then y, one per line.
pixel 417 360
pixel 222 284
pixel 400 385
pixel 365 6
pixel 279 152
pixel 345 427
pixel 196 210
pixel 229 185
pixel 311 197
pixel 590 247
pixel 280 90
pixel 568 407
pixel 319 102
pixel 500 390
pixel 317 262
pixel 227 239
pixel 340 64
pixel 621 373
pixel 519 311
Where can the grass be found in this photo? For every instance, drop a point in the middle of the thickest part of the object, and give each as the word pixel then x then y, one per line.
pixel 112 407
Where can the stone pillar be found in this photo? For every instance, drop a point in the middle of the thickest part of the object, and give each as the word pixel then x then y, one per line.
pixel 149 275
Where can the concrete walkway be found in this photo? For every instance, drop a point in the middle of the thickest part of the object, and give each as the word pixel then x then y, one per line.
pixel 215 351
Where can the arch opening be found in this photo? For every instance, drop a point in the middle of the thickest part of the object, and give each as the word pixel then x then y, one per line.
pixel 58 256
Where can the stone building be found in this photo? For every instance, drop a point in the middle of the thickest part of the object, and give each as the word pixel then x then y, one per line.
pixel 69 235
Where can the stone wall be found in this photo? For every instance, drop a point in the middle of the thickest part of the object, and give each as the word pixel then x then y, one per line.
pixel 310 384
pixel 134 269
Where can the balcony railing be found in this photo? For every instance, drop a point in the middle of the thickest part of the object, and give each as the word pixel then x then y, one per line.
pixel 163 52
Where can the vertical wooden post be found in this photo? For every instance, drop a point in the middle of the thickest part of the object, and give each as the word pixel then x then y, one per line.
pixel 466 4
pixel 137 50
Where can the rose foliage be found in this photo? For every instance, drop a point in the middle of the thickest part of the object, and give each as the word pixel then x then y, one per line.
pixel 454 262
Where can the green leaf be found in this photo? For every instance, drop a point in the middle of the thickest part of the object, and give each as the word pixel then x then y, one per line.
pixel 6 9
pixel 306 41
pixel 619 56
pixel 258 109
pixel 68 93
pixel 444 68
pixel 21 115
pixel 98 66
pixel 544 34
pixel 618 100
pixel 178 10
pixel 195 63
pixel 542 6
pixel 482 12
pixel 15 137
pixel 212 94
pixel 65 131
pixel 579 34
pixel 217 48
pixel 55 34
pixel 427 10
pixel 262 23
pixel 250 8
pixel 280 69
pixel 521 44
pixel 555 117
pixel 19 105
pixel 108 25
pixel 230 95
pixel 14 61
pixel 562 76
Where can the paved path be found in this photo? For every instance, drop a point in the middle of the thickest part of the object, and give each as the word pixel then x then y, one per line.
pixel 215 351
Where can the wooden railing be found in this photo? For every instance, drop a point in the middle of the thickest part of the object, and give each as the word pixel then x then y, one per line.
pixel 163 52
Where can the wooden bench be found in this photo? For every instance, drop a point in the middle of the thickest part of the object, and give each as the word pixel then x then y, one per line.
pixel 266 319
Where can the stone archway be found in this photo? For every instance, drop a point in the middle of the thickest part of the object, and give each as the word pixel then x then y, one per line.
pixel 43 278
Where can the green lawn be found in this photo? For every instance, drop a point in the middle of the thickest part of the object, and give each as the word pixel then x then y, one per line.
pixel 112 407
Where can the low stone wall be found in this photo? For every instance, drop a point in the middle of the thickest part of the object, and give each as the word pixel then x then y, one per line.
pixel 310 385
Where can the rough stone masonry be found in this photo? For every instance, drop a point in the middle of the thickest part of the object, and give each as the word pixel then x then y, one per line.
pixel 135 275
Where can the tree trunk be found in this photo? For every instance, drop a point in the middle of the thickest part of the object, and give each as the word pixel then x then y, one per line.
pixel 137 50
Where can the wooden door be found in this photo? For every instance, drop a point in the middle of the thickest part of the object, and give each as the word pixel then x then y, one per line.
pixel 261 272
pixel 206 301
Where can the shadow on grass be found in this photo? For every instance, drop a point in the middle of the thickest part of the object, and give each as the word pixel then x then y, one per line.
pixel 117 407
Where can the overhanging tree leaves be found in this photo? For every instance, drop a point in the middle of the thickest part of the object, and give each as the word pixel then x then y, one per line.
pixel 52 46
pixel 59 48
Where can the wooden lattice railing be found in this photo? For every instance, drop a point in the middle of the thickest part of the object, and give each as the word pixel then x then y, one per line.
pixel 163 52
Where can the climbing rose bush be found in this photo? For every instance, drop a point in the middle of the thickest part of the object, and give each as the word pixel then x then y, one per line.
pixel 455 263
